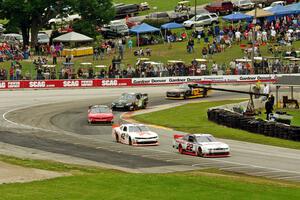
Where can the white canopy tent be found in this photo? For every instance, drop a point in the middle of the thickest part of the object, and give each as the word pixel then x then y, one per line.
pixel 73 37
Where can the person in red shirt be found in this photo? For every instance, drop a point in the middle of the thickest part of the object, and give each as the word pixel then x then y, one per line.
pixel 11 73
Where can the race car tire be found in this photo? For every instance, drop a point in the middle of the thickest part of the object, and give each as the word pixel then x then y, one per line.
pixel 129 141
pixel 180 150
pixel 117 138
pixel 199 152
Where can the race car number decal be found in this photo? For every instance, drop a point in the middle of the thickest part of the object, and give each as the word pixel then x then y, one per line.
pixel 189 147
pixel 196 92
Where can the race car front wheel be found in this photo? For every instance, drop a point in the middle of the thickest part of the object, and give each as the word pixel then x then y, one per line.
pixel 117 137
pixel 180 150
pixel 129 141
pixel 199 153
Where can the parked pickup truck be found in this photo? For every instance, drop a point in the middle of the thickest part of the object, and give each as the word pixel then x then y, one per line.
pixel 114 30
pixel 222 7
pixel 63 19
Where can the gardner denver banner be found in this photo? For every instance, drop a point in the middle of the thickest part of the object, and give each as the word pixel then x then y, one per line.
pixel 205 79
pixel 44 84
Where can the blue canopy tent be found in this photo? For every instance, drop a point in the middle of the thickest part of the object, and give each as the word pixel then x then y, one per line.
pixel 237 17
pixel 171 25
pixel 295 8
pixel 143 28
pixel 280 11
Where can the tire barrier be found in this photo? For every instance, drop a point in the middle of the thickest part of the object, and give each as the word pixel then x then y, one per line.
pixel 268 128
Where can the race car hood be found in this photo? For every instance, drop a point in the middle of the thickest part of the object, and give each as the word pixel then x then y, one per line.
pixel 213 145
pixel 177 90
pixel 100 115
pixel 145 134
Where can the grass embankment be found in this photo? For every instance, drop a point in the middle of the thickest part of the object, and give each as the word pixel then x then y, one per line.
pixel 168 5
pixel 192 118
pixel 160 53
pixel 95 183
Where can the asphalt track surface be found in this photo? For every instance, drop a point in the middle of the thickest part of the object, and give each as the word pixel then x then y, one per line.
pixel 54 122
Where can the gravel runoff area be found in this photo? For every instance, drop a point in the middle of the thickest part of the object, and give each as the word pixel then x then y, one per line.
pixel 16 174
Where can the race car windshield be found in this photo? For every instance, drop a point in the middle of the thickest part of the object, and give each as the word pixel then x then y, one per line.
pixel 205 139
pixel 126 97
pixel 100 110
pixel 138 128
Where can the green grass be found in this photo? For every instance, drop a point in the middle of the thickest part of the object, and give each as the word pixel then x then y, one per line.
pixel 295 113
pixel 161 5
pixel 95 183
pixel 192 118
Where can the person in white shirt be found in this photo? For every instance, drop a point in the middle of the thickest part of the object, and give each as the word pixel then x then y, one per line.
pixel 266 91
pixel 238 36
pixel 273 34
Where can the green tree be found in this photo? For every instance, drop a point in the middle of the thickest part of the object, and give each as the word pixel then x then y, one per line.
pixel 33 15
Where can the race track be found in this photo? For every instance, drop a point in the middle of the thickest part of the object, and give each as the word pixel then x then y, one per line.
pixel 53 123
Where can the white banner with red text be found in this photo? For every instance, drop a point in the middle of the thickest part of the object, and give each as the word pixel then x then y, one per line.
pixel 94 83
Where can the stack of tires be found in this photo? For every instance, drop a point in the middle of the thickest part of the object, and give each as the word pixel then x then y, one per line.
pixel 259 126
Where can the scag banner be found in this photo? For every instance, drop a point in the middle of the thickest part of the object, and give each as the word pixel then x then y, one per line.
pixel 64 83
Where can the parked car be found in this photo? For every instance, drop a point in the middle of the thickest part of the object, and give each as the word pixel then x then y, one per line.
pixel 276 3
pixel 63 19
pixel 158 16
pixel 12 38
pixel 180 17
pixel 224 7
pixel 243 5
pixel 43 38
pixel 114 30
pixel 201 20
pixel 264 3
pixel 124 10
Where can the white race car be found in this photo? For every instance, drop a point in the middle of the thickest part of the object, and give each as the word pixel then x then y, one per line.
pixel 204 145
pixel 135 134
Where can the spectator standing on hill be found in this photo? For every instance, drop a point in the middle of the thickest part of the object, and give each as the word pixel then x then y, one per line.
pixel 11 73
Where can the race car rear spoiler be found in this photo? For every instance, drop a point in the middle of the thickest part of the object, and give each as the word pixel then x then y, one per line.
pixel 176 136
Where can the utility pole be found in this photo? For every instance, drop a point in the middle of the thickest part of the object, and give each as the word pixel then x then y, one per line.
pixel 253 34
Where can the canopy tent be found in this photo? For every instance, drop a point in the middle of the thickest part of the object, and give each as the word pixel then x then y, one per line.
pixel 171 25
pixel 143 28
pixel 73 37
pixel 237 17
pixel 259 13
pixel 294 8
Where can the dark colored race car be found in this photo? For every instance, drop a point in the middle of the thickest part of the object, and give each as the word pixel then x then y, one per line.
pixel 188 91
pixel 130 101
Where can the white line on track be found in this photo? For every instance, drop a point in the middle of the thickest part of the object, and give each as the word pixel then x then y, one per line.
pixel 234 167
pixel 280 170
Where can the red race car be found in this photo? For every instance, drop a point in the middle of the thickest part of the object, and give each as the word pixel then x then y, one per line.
pixel 100 113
